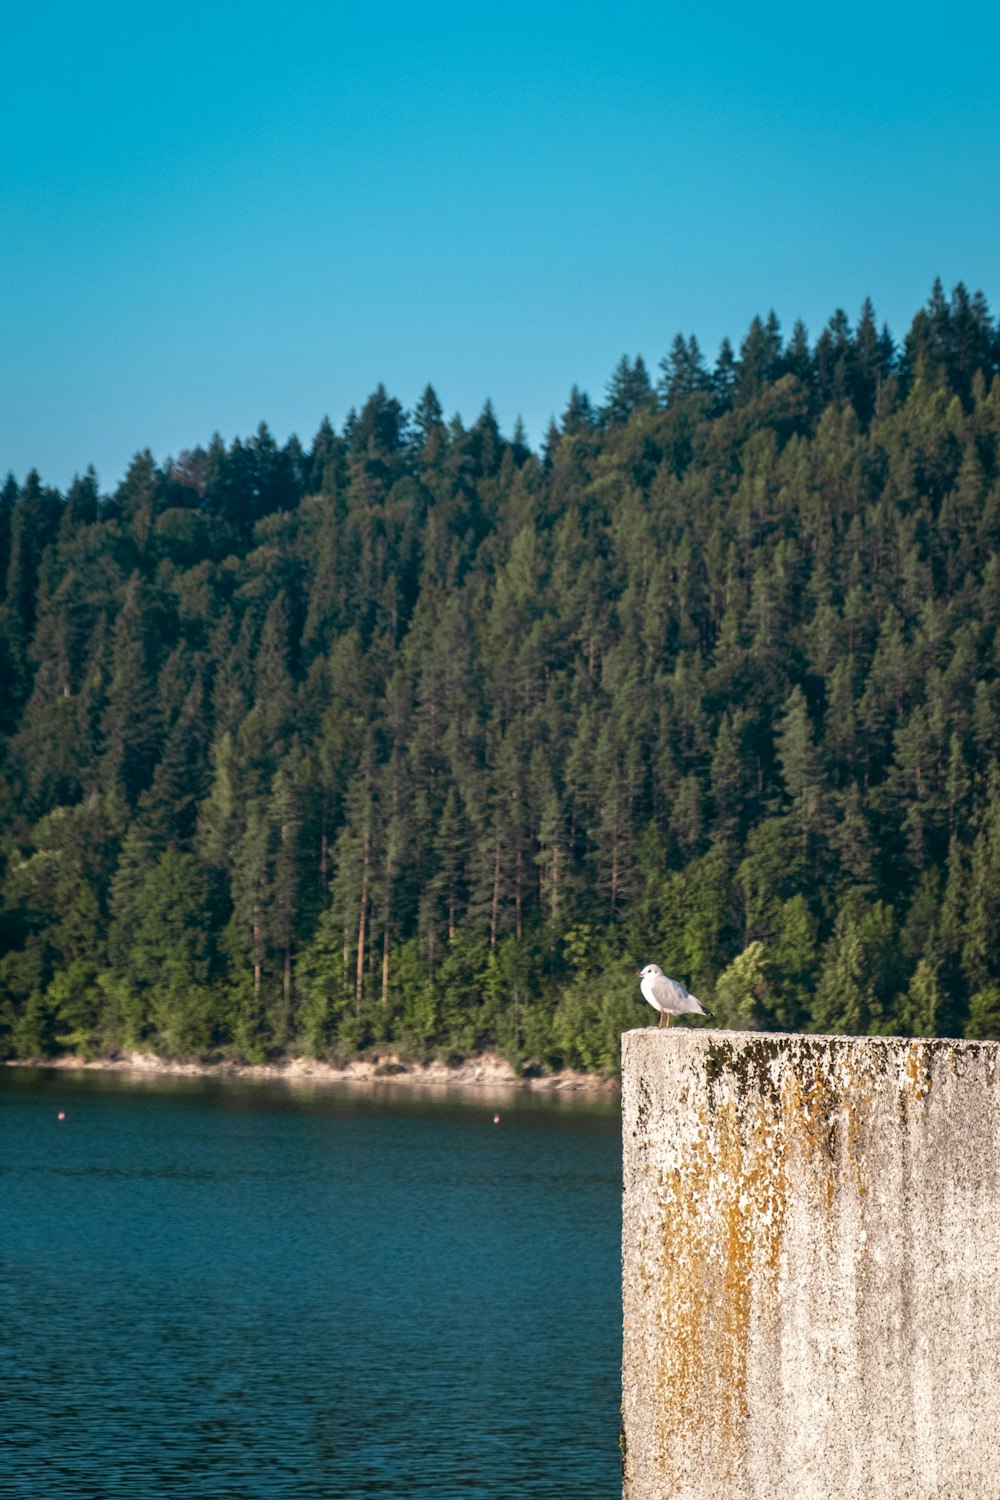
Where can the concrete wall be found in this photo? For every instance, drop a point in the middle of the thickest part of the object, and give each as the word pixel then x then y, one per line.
pixel 811 1267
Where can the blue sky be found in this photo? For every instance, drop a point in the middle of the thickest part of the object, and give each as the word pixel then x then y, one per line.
pixel 217 214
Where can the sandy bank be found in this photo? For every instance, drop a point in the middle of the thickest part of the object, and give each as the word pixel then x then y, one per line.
pixel 485 1071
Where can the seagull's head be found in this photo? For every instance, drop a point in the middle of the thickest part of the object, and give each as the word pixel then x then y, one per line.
pixel 649 972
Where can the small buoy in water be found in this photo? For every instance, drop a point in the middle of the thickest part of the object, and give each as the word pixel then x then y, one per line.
pixel 61 1115
pixel 496 1119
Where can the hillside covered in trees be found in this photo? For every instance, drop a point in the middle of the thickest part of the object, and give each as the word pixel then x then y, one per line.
pixel 414 735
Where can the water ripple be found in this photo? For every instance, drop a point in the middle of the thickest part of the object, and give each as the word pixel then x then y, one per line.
pixel 205 1299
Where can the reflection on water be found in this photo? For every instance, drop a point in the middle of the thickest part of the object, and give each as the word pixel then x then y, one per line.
pixel 248 1290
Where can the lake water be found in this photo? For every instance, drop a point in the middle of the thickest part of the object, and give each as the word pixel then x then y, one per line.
pixel 222 1289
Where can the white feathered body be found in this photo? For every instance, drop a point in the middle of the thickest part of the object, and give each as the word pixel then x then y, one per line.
pixel 667 995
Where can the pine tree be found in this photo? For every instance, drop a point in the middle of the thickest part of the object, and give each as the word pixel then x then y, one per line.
pixel 801 771
pixel 130 724
pixel 684 372
pixel 629 390
pixel 760 358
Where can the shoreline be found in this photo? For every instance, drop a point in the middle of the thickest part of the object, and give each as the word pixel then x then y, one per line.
pixel 484 1071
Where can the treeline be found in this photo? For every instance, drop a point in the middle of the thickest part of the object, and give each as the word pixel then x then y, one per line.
pixel 414 735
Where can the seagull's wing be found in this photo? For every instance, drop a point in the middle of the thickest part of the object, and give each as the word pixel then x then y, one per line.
pixel 672 996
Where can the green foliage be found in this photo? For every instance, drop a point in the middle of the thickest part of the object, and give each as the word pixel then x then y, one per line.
pixel 860 973
pixel 33 1028
pixel 917 1011
pixel 984 1014
pixel 741 988
pixel 419 739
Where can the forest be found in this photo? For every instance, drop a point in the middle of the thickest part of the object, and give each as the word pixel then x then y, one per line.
pixel 416 737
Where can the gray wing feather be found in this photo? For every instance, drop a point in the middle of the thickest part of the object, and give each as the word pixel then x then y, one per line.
pixel 672 996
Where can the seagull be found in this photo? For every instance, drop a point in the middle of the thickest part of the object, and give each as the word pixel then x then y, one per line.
pixel 667 995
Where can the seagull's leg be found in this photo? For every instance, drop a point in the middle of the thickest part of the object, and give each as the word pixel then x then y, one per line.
pixel 661 1021
pixel 668 1020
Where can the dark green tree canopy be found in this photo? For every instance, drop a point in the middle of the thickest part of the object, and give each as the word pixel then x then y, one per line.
pixel 412 737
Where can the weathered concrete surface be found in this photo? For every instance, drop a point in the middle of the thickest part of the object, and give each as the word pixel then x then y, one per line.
pixel 811 1267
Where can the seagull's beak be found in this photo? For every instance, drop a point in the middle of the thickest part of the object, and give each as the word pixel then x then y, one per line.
pixel 638 973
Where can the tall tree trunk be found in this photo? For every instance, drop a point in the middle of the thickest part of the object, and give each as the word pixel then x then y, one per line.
pixel 362 924
pixel 256 945
pixel 385 962
pixel 495 906
pixel 517 895
pixel 390 867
